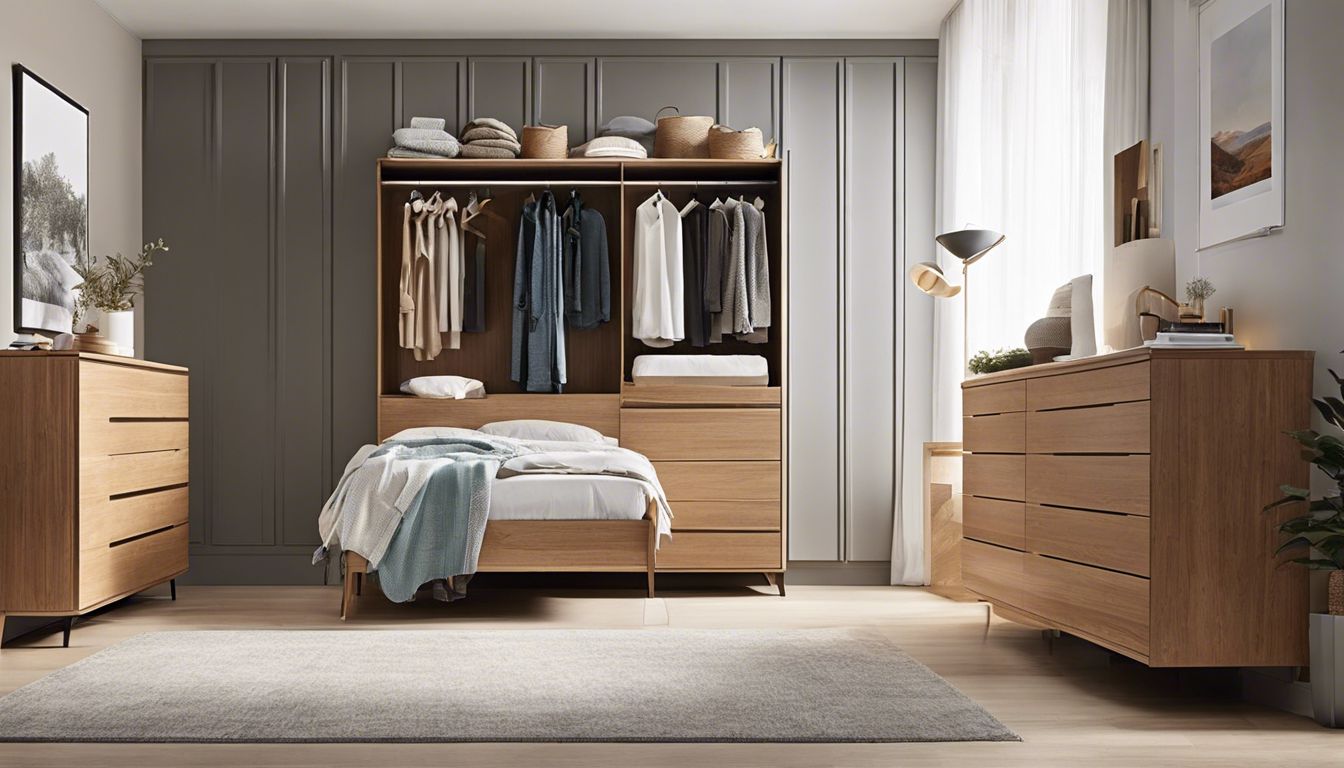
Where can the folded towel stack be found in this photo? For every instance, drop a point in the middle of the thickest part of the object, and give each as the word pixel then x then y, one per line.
pixel 610 146
pixel 425 137
pixel 488 138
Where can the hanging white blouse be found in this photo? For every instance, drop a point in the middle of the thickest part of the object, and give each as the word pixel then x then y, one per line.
pixel 658 313
pixel 452 277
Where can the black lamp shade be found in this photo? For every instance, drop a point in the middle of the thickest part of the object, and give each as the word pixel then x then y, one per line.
pixel 969 244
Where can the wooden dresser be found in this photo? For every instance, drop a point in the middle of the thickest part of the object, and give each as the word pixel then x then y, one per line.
pixel 718 452
pixel 1119 498
pixel 94 467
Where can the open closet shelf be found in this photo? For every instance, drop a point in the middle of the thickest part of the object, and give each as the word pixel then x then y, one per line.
pixel 704 395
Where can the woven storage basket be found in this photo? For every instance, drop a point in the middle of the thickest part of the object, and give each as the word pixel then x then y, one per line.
pixel 727 144
pixel 546 142
pixel 682 135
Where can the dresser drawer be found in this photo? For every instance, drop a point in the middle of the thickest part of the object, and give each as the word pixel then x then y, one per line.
pixel 109 391
pixel 107 572
pixel 999 476
pixel 994 398
pixel 1117 542
pixel 994 521
pixel 104 521
pixel 725 516
pixel 992 572
pixel 999 433
pixel 1108 607
pixel 721 551
pixel 103 437
pixel 103 476
pixel 1117 384
pixel 1121 428
pixel 1108 483
pixel 719 480
pixel 702 433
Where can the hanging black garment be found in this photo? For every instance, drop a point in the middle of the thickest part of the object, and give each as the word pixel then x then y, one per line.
pixel 695 265
pixel 587 268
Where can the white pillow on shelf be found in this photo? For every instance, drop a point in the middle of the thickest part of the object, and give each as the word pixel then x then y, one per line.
pixel 444 387
pixel 541 429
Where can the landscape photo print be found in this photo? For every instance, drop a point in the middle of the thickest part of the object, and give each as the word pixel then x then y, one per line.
pixel 1241 117
pixel 51 211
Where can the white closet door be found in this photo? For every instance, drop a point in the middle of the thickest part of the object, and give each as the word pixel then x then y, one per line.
pixel 872 283
pixel 812 132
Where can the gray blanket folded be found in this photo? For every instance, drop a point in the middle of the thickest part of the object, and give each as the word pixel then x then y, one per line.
pixel 431 123
pixel 481 152
pixel 512 146
pixel 434 142
pixel 416 154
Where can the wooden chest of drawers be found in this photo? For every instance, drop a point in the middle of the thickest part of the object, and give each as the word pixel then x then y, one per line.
pixel 94 464
pixel 1119 498
pixel 718 452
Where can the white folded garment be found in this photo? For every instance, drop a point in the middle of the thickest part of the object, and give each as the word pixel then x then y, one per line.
pixel 736 370
pixel 444 387
pixel 610 146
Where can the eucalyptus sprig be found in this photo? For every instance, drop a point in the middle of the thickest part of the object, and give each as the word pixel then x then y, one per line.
pixel 112 283
pixel 999 360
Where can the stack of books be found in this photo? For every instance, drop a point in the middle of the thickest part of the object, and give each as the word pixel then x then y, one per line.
pixel 1193 340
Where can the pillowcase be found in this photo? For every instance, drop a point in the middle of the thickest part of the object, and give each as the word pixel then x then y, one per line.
pixel 431 433
pixel 444 387
pixel 541 429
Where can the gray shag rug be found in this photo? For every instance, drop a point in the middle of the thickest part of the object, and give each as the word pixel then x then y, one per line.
pixel 657 685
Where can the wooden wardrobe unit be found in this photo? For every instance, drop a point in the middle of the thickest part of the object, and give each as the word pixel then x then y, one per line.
pixel 720 451
pixel 94 470
pixel 1119 498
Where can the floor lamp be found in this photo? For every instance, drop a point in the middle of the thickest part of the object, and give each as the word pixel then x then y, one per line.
pixel 968 245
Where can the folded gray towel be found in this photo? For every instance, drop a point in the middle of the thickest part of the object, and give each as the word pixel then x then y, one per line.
pixel 426 140
pixel 490 122
pixel 412 153
pixel 487 153
pixel 481 132
pixel 512 146
pixel 432 123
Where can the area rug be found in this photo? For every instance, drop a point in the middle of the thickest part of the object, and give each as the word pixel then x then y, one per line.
pixel 655 685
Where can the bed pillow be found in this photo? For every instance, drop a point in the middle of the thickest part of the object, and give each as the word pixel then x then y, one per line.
pixel 541 429
pixel 434 433
pixel 444 387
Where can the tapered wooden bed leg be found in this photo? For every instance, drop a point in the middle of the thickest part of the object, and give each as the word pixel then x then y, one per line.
pixel 651 556
pixel 775 580
pixel 347 595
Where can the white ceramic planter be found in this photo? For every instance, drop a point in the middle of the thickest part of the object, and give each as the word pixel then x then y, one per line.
pixel 1327 669
pixel 119 328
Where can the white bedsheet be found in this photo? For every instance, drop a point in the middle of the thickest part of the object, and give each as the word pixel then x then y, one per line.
pixel 568 497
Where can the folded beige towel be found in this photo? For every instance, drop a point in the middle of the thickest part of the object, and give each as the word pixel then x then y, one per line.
pixel 498 144
pixel 490 122
pixel 479 152
pixel 476 134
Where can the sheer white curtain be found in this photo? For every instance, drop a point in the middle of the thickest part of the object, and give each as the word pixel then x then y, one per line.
pixel 1021 100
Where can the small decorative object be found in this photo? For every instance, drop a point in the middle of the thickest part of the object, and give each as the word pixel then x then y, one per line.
pixel 546 142
pixel 1153 308
pixel 1129 268
pixel 727 144
pixel 1225 317
pixel 1241 155
pixel 999 360
pixel 1316 537
pixel 1197 291
pixel 682 135
pixel 1048 338
pixel 1074 301
pixel 110 286
pixel 51 210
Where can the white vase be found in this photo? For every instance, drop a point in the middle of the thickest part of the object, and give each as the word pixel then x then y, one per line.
pixel 119 328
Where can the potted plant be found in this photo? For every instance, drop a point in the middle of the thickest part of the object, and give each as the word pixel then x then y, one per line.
pixel 1318 538
pixel 1197 291
pixel 110 287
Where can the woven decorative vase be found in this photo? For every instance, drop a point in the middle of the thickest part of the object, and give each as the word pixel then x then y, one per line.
pixel 682 136
pixel 727 144
pixel 1334 593
pixel 545 142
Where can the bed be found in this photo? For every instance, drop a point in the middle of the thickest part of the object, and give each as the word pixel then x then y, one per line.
pixel 554 523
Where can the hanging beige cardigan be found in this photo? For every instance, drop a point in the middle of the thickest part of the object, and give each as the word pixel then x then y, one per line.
pixel 419 327
pixel 452 276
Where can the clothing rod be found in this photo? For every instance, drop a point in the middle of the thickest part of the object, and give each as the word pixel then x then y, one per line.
pixel 761 183
pixel 500 183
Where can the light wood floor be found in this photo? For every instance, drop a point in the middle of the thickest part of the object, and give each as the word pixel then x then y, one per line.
pixel 1072 704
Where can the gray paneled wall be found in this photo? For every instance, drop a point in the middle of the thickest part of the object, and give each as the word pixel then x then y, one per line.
pixel 259 171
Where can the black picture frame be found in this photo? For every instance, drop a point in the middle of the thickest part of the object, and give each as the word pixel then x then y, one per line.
pixel 21 75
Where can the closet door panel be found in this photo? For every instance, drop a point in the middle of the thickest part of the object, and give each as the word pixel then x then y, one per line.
pixel 501 88
pixel 242 397
pixel 433 87
pixel 642 86
pixel 872 282
pixel 366 116
pixel 812 131
pixel 564 91
pixel 303 341
pixel 179 164
pixel 749 95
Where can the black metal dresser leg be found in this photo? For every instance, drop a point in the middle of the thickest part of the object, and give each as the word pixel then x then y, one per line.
pixel 68 625
pixel 172 588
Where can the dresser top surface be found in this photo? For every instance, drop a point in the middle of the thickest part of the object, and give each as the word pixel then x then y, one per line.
pixel 12 354
pixel 1138 354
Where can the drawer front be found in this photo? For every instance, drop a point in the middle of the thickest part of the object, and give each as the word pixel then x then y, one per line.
pixel 998 476
pixel 109 391
pixel 992 572
pixel 702 433
pixel 1109 606
pixel 721 551
pixel 719 480
pixel 1121 428
pixel 1117 384
pixel 1118 542
pixel 103 437
pixel 104 521
pixel 994 398
pixel 994 521
pixel 1108 483
pixel 999 433
pixel 725 516
pixel 104 476
pixel 106 572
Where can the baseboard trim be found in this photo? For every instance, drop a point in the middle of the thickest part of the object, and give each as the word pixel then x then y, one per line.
pixel 853 574
pixel 1276 687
